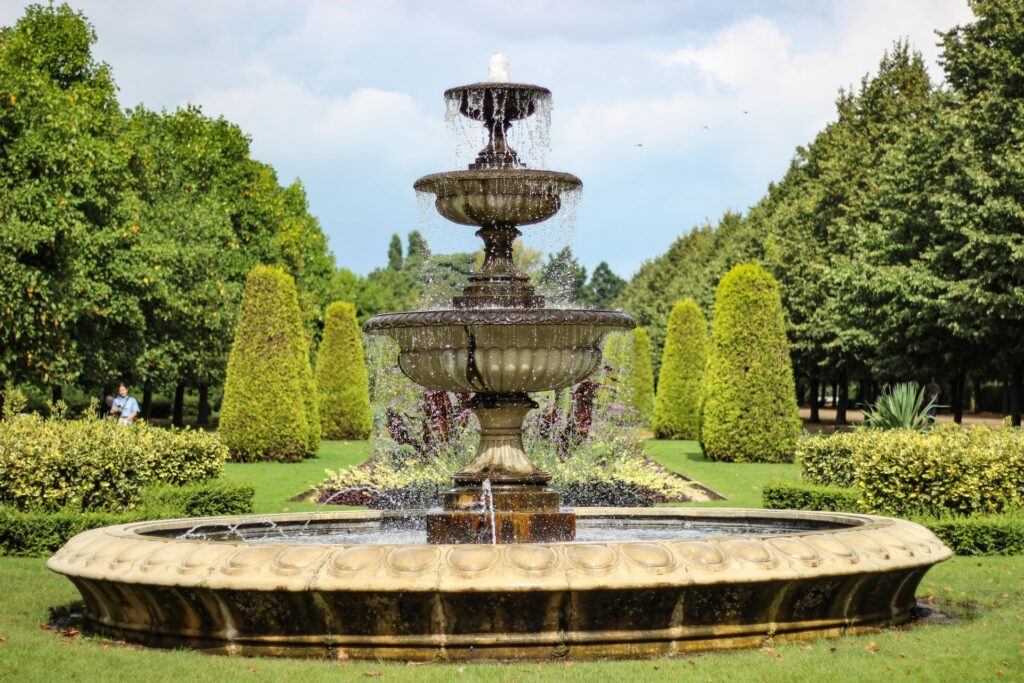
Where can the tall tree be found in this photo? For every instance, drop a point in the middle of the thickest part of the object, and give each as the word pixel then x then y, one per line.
pixel 604 286
pixel 677 403
pixel 342 384
pixel 67 248
pixel 562 279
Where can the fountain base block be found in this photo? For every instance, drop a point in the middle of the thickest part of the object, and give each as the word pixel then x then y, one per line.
pixel 461 527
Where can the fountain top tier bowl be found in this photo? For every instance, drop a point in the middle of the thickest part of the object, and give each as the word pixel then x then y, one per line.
pixel 491 101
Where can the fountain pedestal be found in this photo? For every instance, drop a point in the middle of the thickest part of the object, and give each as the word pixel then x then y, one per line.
pixel 501 496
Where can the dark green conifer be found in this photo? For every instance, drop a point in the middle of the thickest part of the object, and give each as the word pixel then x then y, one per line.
pixel 269 410
pixel 748 398
pixel 342 384
pixel 676 406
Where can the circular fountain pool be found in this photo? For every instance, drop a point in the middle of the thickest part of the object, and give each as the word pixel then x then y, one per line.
pixel 637 582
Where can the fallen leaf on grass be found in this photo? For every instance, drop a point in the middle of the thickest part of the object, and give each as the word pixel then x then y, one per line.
pixel 340 656
pixel 771 653
pixel 871 647
pixel 373 674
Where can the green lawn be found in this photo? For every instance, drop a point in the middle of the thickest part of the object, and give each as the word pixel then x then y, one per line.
pixel 739 482
pixel 276 483
pixel 985 642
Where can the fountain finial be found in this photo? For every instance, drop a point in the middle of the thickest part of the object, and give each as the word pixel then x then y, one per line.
pixel 499 69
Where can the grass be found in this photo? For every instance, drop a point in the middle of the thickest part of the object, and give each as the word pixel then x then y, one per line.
pixel 277 484
pixel 739 482
pixel 986 641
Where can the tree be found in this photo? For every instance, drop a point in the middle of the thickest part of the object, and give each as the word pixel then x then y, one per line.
pixel 604 286
pixel 342 384
pixel 676 406
pixel 631 378
pixel 982 213
pixel 748 400
pixel 563 279
pixel 67 248
pixel 395 253
pixel 269 398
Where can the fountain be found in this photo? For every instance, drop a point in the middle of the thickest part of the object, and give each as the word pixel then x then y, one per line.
pixel 501 571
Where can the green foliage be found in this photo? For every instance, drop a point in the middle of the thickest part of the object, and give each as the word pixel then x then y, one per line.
pixel 790 496
pixel 748 399
pixel 677 404
pixel 91 464
pixel 604 287
pixel 999 534
pixel 630 380
pixel 904 406
pixel 270 410
pixel 40 533
pixel 828 460
pixel 562 279
pixel 342 384
pixel 945 471
pixel 395 253
pixel 208 499
pixel 981 534
pixel 690 269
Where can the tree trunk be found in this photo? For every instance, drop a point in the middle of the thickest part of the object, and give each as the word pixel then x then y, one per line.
pixel 842 399
pixel 56 393
pixel 147 401
pixel 958 397
pixel 815 400
pixel 204 405
pixel 178 417
pixel 1016 391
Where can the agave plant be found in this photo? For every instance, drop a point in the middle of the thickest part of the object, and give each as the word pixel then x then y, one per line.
pixel 904 406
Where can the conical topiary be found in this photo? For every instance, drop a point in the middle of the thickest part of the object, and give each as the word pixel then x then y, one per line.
pixel 342 384
pixel 676 406
pixel 748 398
pixel 269 397
pixel 632 378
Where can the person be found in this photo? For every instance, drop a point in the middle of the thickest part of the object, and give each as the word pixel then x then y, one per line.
pixel 125 408
pixel 931 392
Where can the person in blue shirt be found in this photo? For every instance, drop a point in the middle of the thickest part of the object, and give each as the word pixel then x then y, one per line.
pixel 125 408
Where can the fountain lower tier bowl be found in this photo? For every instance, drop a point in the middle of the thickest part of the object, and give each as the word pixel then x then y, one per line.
pixel 639 582
pixel 498 196
pixel 499 350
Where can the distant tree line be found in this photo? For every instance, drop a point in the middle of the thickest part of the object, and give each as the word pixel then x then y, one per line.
pixel 896 235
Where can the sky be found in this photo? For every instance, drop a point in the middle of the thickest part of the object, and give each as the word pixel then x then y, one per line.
pixel 670 111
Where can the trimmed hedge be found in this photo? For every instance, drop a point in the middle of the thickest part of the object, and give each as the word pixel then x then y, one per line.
pixel 630 354
pixel 41 533
pixel 748 396
pixel 785 496
pixel 343 387
pixel 93 465
pixel 948 470
pixel 1001 534
pixel 269 411
pixel 676 406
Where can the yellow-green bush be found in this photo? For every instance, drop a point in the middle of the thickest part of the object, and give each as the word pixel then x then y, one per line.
pixel 93 464
pixel 947 470
pixel 269 410
pixel 676 405
pixel 342 384
pixel 748 397
pixel 632 379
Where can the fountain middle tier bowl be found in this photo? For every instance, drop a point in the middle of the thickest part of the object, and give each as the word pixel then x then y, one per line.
pixel 499 350
pixel 363 585
pixel 498 197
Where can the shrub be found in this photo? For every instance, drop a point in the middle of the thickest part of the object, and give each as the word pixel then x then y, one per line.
pixel 40 533
pixel 748 397
pixel 948 470
pixel 93 464
pixel 269 410
pixel 631 380
pixel 676 406
pixel 903 406
pixel 828 460
pixel 343 388
pixel 787 496
pixel 1001 534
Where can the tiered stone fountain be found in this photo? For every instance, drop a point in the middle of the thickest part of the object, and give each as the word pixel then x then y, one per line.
pixel 505 580
pixel 498 340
